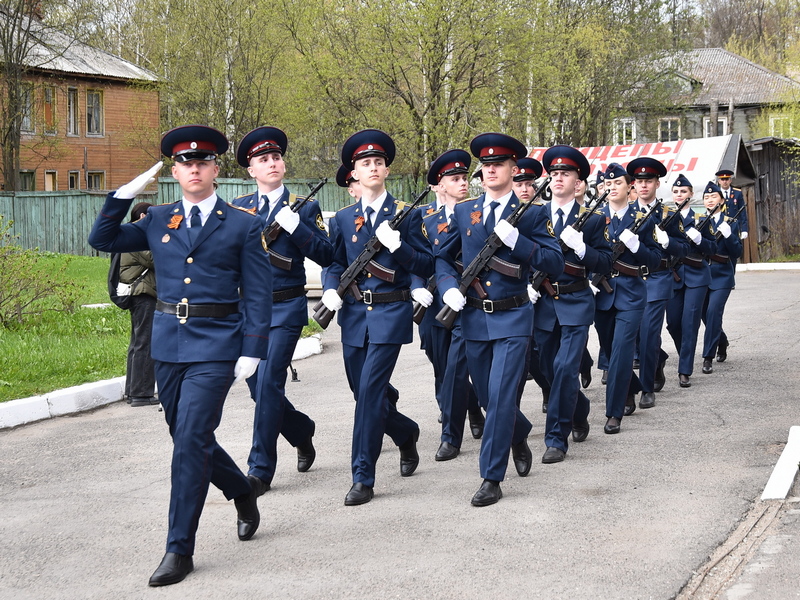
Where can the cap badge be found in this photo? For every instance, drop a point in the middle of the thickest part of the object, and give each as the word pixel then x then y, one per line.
pixel 491 150
pixel 193 145
pixel 370 147
pixel 559 161
pixel 458 164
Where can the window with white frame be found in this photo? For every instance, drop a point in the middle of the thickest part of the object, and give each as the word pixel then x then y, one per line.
pixel 73 116
pixel 781 126
pixel 94 112
pixel 624 131
pixel 26 108
pixel 722 127
pixel 95 180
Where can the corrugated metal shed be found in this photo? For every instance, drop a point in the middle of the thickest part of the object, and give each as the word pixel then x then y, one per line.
pixel 58 52
pixel 719 75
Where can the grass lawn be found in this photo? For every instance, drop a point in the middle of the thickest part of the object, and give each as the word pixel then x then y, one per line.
pixel 58 350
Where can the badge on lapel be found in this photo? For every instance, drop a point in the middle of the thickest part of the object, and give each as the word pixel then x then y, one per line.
pixel 475 217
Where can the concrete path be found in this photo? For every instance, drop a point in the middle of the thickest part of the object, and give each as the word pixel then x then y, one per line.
pixel 83 499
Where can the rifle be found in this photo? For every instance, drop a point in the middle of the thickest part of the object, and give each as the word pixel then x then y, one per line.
pixel 419 310
pixel 363 262
pixel 539 276
pixel 273 230
pixel 675 260
pixel 668 221
pixel 601 279
pixel 483 260
pixel 718 235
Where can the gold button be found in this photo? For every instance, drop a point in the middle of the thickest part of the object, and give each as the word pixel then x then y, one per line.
pixel 182 321
pixel 369 308
pixel 488 283
pixel 369 274
pixel 184 300
pixel 187 280
pixel 190 260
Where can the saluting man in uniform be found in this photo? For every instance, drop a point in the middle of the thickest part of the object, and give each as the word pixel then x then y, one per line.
pixel 618 313
pixel 205 337
pixel 652 357
pixel 565 310
pixel 302 235
pixel 448 177
pixel 374 329
pixel 497 328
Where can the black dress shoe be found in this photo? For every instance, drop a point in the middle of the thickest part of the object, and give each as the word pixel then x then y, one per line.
pixel 409 457
pixel 722 352
pixel 586 379
pixel 604 378
pixel 660 379
pixel 683 380
pixel 489 493
pixel 553 455
pixel 476 424
pixel 358 494
pixel 648 400
pixel 707 366
pixel 580 432
pixel 306 453
pixel 248 517
pixel 143 401
pixel 523 458
pixel 612 425
pixel 173 568
pixel 446 451
pixel 260 487
pixel 630 405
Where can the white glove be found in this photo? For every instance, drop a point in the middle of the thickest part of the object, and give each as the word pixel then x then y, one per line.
pixel 574 239
pixel 135 187
pixel 332 300
pixel 287 219
pixel 724 229
pixel 662 237
pixel 423 296
pixel 533 294
pixel 694 235
pixel 630 239
pixel 594 289
pixel 743 235
pixel 245 367
pixel 507 233
pixel 388 237
pixel 454 299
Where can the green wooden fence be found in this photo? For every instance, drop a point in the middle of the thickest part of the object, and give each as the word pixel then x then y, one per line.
pixel 61 221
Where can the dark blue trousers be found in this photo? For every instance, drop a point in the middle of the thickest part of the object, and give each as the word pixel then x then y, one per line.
pixel 617 330
pixel 496 368
pixel 193 395
pixel 650 353
pixel 435 341
pixel 369 369
pixel 712 317
pixel 274 413
pixel 560 353
pixel 457 393
pixel 684 311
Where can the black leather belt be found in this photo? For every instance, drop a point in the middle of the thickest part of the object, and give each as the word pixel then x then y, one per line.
pixel 693 261
pixel 289 294
pixel 720 258
pixel 370 297
pixel 662 266
pixel 574 270
pixel 556 289
pixel 621 268
pixel 184 310
pixel 490 306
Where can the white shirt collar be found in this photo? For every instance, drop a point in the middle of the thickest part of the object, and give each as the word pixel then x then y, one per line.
pixel 272 197
pixel 566 209
pixel 205 206
pixel 375 204
pixel 685 211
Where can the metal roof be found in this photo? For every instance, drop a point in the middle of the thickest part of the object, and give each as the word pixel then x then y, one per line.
pixel 721 75
pixel 54 51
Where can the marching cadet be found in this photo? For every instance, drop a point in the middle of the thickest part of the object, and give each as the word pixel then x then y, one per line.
pixel 565 310
pixel 345 179
pixel 600 182
pixel 302 234
pixel 690 286
pixel 619 312
pixel 652 357
pixel 524 184
pixel 734 201
pixel 448 177
pixel 723 269
pixel 205 336
pixel 374 330
pixel 497 328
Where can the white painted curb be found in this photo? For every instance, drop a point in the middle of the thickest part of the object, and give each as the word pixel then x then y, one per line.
pixel 787 266
pixel 785 471
pixel 93 395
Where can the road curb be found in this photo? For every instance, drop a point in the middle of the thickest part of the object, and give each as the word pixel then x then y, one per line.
pixel 89 396
pixel 785 471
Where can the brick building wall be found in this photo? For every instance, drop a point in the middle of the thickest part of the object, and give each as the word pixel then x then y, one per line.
pixel 61 152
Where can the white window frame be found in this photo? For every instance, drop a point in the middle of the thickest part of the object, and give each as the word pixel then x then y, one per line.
pixel 73 112
pixel 620 130
pixel 666 120
pixel 707 126
pixel 26 109
pixel 785 124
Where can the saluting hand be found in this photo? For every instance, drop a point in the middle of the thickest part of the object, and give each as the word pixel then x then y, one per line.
pixel 134 188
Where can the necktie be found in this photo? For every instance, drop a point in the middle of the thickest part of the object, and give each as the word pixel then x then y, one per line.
pixel 264 201
pixel 560 222
pixel 195 222
pixel 490 219
pixel 615 223
pixel 369 211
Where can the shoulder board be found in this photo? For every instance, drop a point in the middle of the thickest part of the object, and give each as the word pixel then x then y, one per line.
pixel 467 200
pixel 243 196
pixel 538 203
pixel 249 211
pixel 348 206
pixel 292 198
pixel 738 189
pixel 400 205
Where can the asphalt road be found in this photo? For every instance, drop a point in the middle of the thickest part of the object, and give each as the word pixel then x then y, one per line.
pixel 83 499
